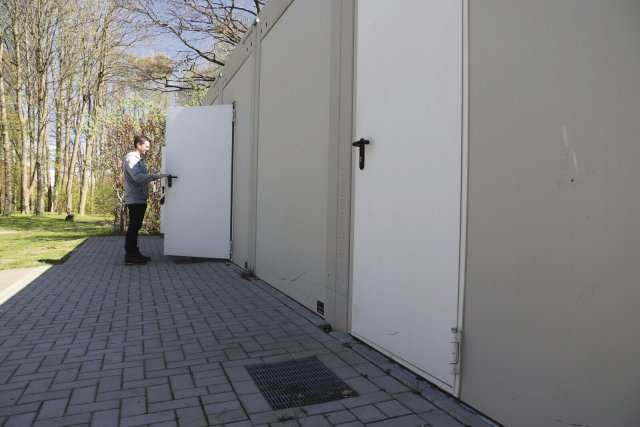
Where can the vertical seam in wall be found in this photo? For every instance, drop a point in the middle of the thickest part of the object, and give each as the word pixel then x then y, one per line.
pixel 464 181
pixel 253 217
pixel 354 84
pixel 346 135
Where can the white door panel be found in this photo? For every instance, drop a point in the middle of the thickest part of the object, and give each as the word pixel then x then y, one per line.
pixel 197 208
pixel 407 198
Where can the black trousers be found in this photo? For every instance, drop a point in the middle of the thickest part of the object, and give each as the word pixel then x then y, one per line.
pixel 136 215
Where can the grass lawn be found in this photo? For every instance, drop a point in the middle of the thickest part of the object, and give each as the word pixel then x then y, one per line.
pixel 30 241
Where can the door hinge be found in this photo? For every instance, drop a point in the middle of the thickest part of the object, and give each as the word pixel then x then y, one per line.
pixel 233 118
pixel 456 339
pixel 230 249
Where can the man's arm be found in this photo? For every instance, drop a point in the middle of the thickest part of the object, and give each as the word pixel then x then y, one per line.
pixel 132 167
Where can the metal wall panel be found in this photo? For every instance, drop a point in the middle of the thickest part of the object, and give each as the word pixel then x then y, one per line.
pixel 293 152
pixel 552 257
pixel 239 92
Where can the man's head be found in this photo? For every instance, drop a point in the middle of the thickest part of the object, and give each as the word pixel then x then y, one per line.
pixel 141 144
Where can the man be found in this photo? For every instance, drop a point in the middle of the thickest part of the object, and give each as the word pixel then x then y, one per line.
pixel 136 181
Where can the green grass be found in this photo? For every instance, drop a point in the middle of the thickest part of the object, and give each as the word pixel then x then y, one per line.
pixel 30 241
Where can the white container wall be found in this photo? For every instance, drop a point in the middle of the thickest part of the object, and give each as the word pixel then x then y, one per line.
pixel 551 316
pixel 239 92
pixel 544 173
pixel 288 81
pixel 293 152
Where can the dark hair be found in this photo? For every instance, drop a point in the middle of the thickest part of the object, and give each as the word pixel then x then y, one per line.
pixel 138 140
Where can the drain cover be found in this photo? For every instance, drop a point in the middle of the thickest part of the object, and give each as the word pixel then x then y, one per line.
pixel 298 383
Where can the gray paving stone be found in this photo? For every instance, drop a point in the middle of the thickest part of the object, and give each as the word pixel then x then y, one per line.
pixel 27 368
pixel 414 402
pixel 156 417
pixel 181 382
pixel 74 384
pixel 66 375
pixel 238 373
pixel 20 420
pixel 165 424
pixel 149 382
pixel 368 413
pixel 219 398
pixel 132 406
pixel 10 397
pixel 227 417
pixel 40 397
pixel 351 424
pixel 70 420
pixel 219 388
pixel 314 421
pixel 289 423
pixel 243 424
pixel 393 408
pixel 275 416
pixel 191 392
pixel 174 404
pixel 109 384
pixel 245 387
pixel 340 417
pixel 440 419
pixel 121 394
pixel 108 418
pixel 465 415
pixel 31 377
pixel 253 403
pixel 389 384
pixel 323 408
pixel 211 380
pixel 192 417
pixel 405 421
pixel 53 408
pixel 93 407
pixel 158 393
pixel 361 385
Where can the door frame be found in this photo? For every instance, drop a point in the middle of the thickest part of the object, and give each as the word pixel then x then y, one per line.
pixel 455 391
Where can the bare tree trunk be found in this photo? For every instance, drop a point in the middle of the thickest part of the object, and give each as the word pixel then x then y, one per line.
pixel 67 144
pixel 86 175
pixel 25 207
pixel 74 153
pixel 6 145
pixel 57 176
pixel 43 139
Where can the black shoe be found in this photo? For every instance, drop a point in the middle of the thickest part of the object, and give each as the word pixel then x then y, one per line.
pixel 139 255
pixel 143 257
pixel 134 260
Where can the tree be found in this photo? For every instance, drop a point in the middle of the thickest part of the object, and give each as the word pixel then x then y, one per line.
pixel 133 116
pixel 103 53
pixel 207 31
pixel 4 136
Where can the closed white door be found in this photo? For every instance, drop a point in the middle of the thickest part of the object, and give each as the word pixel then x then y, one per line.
pixel 407 199
pixel 197 209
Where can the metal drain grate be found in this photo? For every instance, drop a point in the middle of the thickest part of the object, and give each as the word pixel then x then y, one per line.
pixel 298 383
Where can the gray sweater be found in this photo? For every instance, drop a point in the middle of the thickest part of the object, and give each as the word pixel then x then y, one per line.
pixel 136 179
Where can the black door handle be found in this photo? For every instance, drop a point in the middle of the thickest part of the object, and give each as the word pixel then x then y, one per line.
pixel 360 144
pixel 170 178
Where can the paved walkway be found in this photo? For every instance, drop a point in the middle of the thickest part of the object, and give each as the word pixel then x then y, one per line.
pixel 92 342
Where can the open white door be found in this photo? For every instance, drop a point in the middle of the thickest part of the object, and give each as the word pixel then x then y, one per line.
pixel 197 208
pixel 407 199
